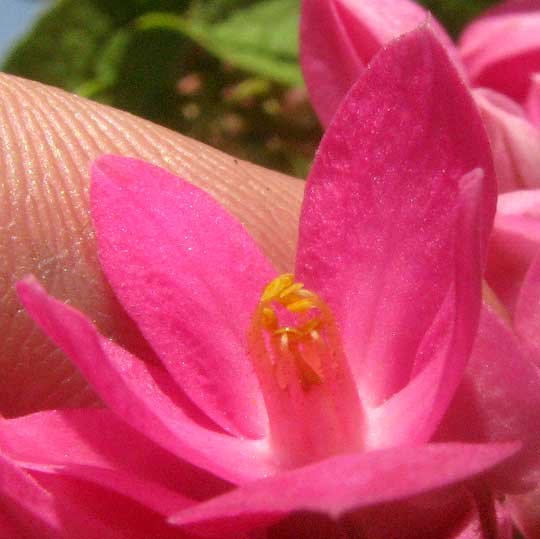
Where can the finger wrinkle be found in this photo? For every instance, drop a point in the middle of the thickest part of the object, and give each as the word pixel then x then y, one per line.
pixel 49 138
pixel 37 242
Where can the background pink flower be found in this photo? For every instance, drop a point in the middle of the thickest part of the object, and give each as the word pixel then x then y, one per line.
pixel 499 51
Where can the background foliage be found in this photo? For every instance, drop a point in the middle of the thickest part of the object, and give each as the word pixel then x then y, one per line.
pixel 223 71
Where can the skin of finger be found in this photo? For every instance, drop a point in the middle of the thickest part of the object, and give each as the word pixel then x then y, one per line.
pixel 48 139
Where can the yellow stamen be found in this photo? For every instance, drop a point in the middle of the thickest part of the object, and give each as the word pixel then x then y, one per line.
pixel 300 306
pixel 298 345
pixel 275 287
pixel 269 319
pixel 291 290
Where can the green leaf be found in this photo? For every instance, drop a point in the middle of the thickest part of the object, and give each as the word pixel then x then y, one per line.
pixel 216 10
pixel 261 39
pixel 138 71
pixel 151 58
pixel 62 47
pixel 65 45
pixel 107 65
pixel 455 14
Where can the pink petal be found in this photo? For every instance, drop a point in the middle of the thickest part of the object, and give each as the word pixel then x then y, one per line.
pixel 88 511
pixel 338 38
pixel 91 442
pixel 514 140
pixel 379 208
pixel 432 515
pixel 501 49
pixel 532 104
pixel 150 495
pixel 190 276
pixel 527 313
pixel 7 528
pixel 525 510
pixel 36 510
pixel 514 243
pixel 499 400
pixel 141 395
pixel 505 529
pixel 413 414
pixel 525 203
pixel 24 504
pixel 345 483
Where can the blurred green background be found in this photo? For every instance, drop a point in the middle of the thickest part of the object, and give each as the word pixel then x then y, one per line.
pixel 222 71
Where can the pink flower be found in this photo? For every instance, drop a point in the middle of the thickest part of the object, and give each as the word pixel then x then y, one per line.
pixel 499 52
pixel 501 49
pixel 512 269
pixel 324 401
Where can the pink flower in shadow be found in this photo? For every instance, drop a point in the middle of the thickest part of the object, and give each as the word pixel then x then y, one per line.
pixel 273 398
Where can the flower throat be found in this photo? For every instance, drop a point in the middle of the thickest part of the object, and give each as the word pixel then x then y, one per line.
pixel 311 398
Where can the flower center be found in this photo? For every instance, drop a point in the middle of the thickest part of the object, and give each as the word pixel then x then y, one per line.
pixel 311 398
pixel 298 346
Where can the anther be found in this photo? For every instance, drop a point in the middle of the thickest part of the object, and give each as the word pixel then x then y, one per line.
pixel 300 306
pixel 293 289
pixel 275 287
pixel 269 318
